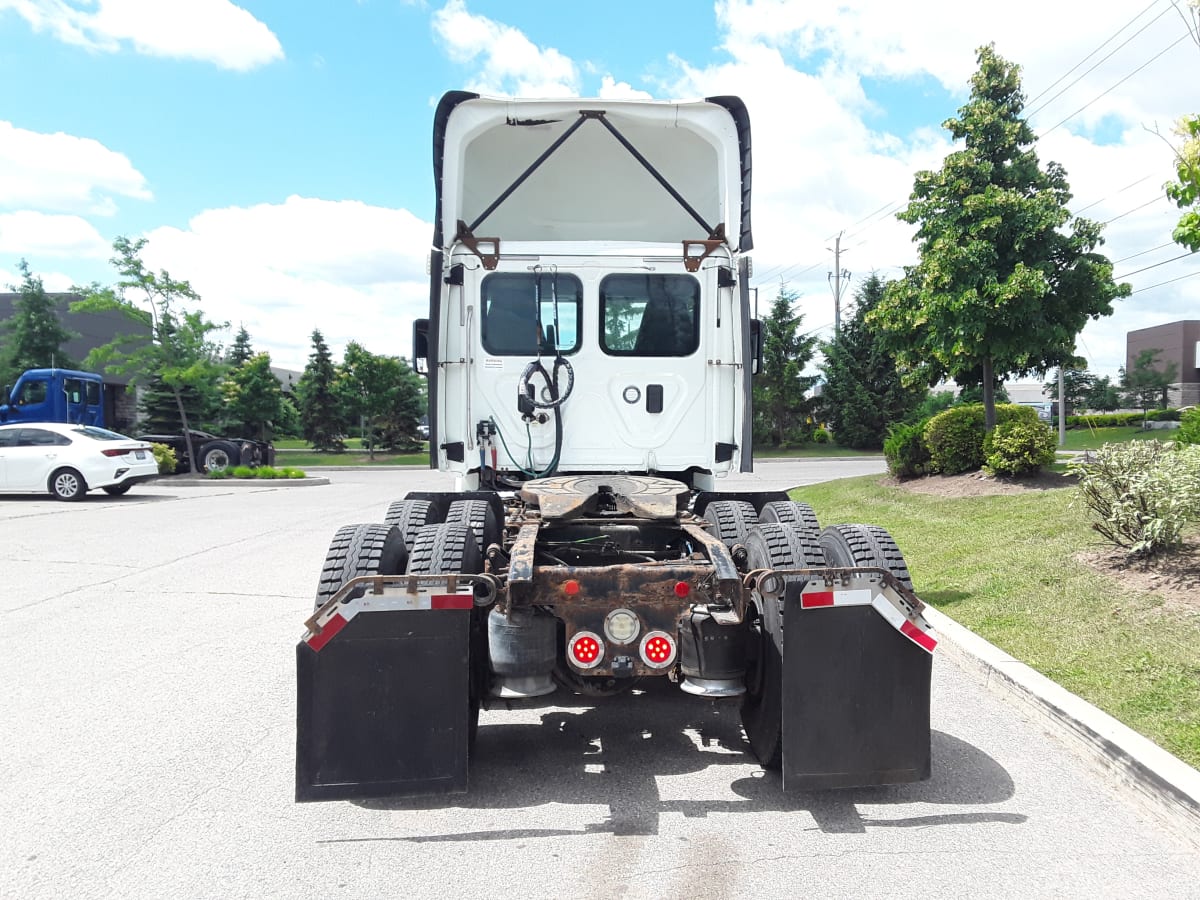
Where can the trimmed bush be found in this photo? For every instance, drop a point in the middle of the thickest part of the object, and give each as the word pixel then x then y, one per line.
pixel 955 437
pixel 905 449
pixel 820 436
pixel 290 472
pixel 1116 420
pixel 165 457
pixel 1019 448
pixel 218 474
pixel 1142 493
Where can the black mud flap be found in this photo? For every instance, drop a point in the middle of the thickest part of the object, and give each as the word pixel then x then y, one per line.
pixel 383 708
pixel 855 700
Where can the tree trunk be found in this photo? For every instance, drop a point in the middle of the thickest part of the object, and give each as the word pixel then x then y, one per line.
pixel 989 396
pixel 187 431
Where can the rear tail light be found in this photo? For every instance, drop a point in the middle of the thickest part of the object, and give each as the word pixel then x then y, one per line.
pixel 114 452
pixel 658 649
pixel 586 650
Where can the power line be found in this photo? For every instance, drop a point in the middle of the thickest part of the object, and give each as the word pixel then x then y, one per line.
pixel 1110 196
pixel 1161 283
pixel 1170 46
pixel 1143 252
pixel 1108 40
pixel 1153 265
pixel 1034 112
pixel 1136 208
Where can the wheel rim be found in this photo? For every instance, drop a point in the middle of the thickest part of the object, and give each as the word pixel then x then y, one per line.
pixel 216 460
pixel 66 484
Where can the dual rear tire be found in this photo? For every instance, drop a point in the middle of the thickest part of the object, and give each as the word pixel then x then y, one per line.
pixel 776 545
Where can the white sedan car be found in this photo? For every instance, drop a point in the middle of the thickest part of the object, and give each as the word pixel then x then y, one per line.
pixel 70 460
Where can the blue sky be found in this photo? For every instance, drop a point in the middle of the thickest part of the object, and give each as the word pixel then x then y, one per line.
pixel 277 154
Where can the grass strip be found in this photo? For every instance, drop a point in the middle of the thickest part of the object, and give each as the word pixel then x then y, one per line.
pixel 1005 567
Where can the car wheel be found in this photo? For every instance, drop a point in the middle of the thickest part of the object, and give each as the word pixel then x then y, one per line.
pixel 67 484
pixel 218 456
pixel 116 490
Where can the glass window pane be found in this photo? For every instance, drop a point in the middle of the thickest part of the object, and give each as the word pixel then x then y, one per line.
pixel 521 315
pixel 650 315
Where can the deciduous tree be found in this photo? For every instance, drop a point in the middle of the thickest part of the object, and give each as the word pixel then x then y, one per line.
pixel 180 352
pixel 1007 278
pixel 384 393
pixel 1145 385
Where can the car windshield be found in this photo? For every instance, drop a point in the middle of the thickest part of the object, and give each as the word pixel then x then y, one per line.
pixel 99 434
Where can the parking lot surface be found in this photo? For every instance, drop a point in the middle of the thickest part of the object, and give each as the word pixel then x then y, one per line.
pixel 148 664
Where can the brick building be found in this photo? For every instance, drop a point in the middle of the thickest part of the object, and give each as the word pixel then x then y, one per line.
pixel 1178 343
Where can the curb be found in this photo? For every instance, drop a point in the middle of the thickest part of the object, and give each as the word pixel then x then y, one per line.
pixel 1162 784
pixel 188 481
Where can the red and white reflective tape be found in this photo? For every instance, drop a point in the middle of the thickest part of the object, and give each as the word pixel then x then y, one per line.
pixel 914 627
pixel 330 622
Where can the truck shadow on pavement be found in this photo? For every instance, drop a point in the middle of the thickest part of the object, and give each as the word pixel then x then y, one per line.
pixel 615 752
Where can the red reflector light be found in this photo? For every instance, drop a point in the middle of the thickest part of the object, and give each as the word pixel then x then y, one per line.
pixel 682 589
pixel 571 588
pixel 658 649
pixel 114 452
pixel 586 650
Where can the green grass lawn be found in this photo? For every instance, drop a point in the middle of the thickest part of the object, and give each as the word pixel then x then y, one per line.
pixel 1004 567
pixel 1095 438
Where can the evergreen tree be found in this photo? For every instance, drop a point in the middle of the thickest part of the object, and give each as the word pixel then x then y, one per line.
pixel 241 351
pixel 781 408
pixel 253 398
pixel 863 393
pixel 33 337
pixel 1007 278
pixel 322 415
pixel 1103 396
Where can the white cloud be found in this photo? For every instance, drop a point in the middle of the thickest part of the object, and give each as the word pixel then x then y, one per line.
pixel 820 168
pixel 33 235
pixel 611 89
pixel 356 272
pixel 213 31
pixel 508 62
pixel 63 173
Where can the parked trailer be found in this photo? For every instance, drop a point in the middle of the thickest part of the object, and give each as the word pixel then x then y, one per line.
pixel 589 366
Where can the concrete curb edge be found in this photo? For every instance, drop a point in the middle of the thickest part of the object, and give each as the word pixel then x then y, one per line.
pixel 1162 784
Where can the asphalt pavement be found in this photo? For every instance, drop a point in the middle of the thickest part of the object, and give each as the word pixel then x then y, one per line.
pixel 148 659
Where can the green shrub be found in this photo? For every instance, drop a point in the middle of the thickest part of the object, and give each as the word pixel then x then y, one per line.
pixel 955 437
pixel 165 457
pixel 1019 448
pixel 1116 420
pixel 905 450
pixel 1189 427
pixel 241 472
pixel 291 472
pixel 266 472
pixel 218 474
pixel 820 436
pixel 1141 493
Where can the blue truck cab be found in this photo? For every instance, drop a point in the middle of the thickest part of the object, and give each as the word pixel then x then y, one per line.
pixel 54 395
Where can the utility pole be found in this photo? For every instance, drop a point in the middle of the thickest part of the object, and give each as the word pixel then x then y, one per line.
pixel 836 279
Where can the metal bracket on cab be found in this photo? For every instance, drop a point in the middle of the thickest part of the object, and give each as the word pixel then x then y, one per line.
pixel 474 244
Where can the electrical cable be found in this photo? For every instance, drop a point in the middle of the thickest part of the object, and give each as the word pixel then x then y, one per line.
pixel 1034 112
pixel 1161 283
pixel 1154 265
pixel 1171 46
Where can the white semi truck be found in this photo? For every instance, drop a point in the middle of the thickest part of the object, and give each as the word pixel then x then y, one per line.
pixel 589 352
